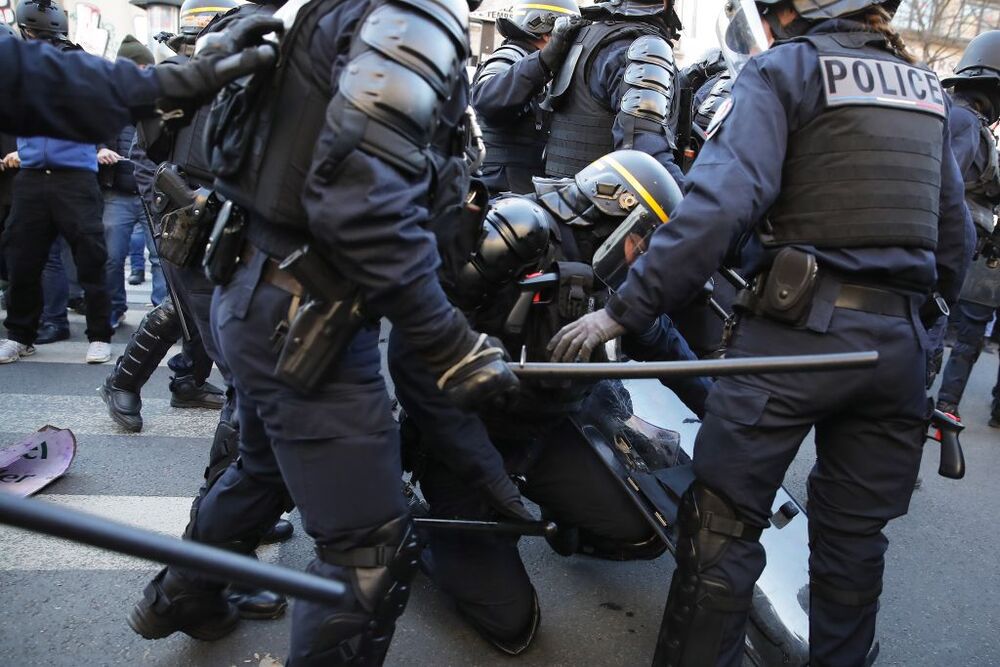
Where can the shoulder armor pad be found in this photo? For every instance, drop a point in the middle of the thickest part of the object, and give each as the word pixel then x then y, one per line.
pixel 654 50
pixel 452 15
pixel 645 103
pixel 391 94
pixel 652 77
pixel 499 61
pixel 416 42
pixel 510 52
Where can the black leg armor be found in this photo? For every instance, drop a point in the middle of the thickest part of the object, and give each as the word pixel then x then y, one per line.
pixel 699 606
pixel 159 330
pixel 378 575
pixel 225 448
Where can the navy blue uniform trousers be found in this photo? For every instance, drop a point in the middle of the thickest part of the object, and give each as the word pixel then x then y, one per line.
pixel 333 453
pixel 484 573
pixel 870 428
pixel 972 321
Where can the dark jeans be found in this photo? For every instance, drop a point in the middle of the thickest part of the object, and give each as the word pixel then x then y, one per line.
pixel 136 248
pixel 870 426
pixel 122 213
pixel 971 327
pixel 48 204
pixel 59 283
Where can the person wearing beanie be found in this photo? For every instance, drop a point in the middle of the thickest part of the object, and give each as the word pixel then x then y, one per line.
pixel 136 51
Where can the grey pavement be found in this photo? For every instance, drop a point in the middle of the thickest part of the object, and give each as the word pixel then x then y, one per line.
pixel 66 606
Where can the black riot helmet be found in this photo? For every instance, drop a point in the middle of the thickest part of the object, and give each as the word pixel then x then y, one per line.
pixel 196 14
pixel 531 20
pixel 977 76
pixel 44 18
pixel 666 8
pixel 980 62
pixel 514 239
pixel 7 30
pixel 610 188
pixel 817 10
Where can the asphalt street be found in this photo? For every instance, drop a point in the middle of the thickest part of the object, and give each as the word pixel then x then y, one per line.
pixel 66 605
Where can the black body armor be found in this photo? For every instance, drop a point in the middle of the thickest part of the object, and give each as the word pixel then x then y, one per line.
pixel 405 61
pixel 581 126
pixel 982 196
pixel 867 170
pixel 514 149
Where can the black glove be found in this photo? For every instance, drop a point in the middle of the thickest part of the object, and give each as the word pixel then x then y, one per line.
pixel 481 377
pixel 577 340
pixel 560 39
pixel 503 496
pixel 225 56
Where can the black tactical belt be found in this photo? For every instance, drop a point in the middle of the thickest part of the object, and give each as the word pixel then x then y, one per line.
pixel 873 300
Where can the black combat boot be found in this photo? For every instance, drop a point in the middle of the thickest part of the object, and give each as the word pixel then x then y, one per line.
pixel 124 406
pixel 185 392
pixel 281 531
pixel 255 604
pixel 172 604
pixel 159 329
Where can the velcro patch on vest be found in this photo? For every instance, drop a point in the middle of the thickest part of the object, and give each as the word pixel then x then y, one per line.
pixel 870 82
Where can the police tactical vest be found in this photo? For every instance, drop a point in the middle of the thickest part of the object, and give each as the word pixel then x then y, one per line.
pixel 262 159
pixel 581 126
pixel 866 171
pixel 982 193
pixel 521 142
pixel 188 149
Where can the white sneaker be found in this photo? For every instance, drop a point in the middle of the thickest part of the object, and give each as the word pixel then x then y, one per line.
pixel 98 352
pixel 11 351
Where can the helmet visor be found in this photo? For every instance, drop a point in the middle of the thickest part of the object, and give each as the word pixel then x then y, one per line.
pixel 625 245
pixel 740 32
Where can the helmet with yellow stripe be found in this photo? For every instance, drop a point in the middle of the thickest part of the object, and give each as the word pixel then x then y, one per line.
pixel 196 14
pixel 533 19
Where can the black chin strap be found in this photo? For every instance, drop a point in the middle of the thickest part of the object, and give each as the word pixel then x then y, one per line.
pixel 798 27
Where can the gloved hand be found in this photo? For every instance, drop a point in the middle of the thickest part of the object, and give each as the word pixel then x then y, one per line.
pixel 503 496
pixel 225 56
pixel 577 340
pixel 481 377
pixel 560 40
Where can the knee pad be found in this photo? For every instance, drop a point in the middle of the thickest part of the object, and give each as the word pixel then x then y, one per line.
pixel 700 606
pixel 378 575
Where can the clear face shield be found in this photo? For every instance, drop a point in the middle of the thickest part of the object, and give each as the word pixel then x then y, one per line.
pixel 625 245
pixel 740 32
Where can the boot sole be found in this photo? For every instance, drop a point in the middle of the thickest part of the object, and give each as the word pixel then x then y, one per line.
pixel 118 419
pixel 184 403
pixel 278 612
pixel 148 627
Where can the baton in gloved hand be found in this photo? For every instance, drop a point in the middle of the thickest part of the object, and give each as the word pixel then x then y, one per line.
pixel 658 370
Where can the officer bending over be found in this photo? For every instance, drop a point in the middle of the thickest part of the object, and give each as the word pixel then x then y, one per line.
pixel 546 435
pixel 865 217
pixel 510 84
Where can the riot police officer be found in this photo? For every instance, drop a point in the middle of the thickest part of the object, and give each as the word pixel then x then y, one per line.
pixel 510 84
pixel 976 95
pixel 617 89
pixel 864 217
pixel 162 326
pixel 181 153
pixel 336 167
pixel 548 434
